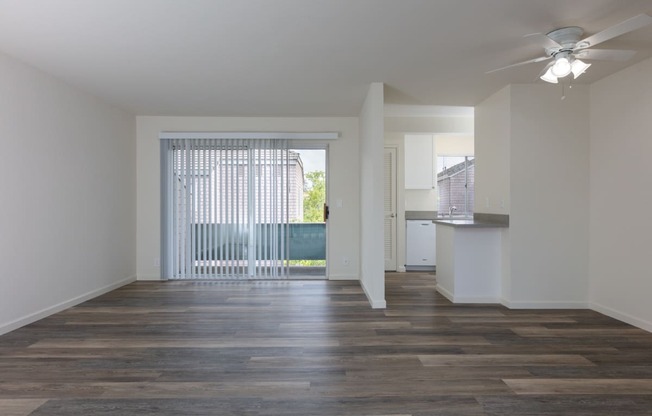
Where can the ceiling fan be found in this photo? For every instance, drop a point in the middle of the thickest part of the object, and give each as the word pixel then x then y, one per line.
pixel 565 47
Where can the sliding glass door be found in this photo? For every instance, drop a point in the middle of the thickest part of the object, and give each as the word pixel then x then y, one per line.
pixel 234 209
pixel 308 229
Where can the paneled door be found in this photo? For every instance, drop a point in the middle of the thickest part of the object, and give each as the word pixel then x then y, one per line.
pixel 389 199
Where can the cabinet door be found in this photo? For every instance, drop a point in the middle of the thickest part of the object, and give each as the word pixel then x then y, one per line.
pixel 418 161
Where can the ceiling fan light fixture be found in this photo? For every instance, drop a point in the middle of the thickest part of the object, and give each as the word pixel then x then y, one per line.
pixel 565 45
pixel 578 67
pixel 562 67
pixel 549 77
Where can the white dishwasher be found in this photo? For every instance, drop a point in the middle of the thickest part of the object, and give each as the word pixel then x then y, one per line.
pixel 421 247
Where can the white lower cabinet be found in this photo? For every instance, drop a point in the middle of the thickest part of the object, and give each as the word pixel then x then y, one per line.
pixel 421 244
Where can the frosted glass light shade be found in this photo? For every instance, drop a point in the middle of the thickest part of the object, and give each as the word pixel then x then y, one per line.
pixel 561 68
pixel 578 67
pixel 549 77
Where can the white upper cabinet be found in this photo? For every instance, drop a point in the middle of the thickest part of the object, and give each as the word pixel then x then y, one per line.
pixel 418 161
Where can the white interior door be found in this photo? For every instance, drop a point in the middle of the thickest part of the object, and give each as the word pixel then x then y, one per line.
pixel 390 208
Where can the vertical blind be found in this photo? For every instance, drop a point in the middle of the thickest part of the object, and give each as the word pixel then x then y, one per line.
pixel 225 208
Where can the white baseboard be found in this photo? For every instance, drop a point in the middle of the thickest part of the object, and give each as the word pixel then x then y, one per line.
pixel 544 305
pixel 33 317
pixel 400 269
pixel 375 303
pixel 148 277
pixel 622 316
pixel 477 299
pixel 343 277
pixel 448 295
pixel 466 299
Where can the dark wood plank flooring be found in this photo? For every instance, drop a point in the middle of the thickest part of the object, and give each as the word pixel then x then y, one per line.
pixel 316 348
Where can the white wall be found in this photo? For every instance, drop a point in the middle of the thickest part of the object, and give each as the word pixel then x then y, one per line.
pixel 549 196
pixel 69 196
pixel 371 186
pixel 420 200
pixel 621 195
pixel 454 145
pixel 492 156
pixel 492 150
pixel 532 163
pixel 343 183
pixel 430 125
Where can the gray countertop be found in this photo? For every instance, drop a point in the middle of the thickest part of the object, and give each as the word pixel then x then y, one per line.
pixel 479 220
pixel 469 224
pixel 420 215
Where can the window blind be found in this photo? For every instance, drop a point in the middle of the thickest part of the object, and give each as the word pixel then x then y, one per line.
pixel 225 208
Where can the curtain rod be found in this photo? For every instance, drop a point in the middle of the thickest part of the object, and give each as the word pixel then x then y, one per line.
pixel 164 135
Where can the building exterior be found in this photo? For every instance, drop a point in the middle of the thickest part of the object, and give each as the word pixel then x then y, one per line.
pixel 456 187
pixel 220 184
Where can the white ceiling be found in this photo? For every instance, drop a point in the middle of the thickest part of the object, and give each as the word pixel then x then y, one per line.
pixel 298 57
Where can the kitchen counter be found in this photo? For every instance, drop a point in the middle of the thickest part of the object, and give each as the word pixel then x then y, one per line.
pixel 478 221
pixel 420 215
pixel 469 259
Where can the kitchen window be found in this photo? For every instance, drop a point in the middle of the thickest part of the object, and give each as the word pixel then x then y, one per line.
pixel 455 185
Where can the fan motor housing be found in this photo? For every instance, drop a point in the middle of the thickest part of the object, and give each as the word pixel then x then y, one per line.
pixel 567 37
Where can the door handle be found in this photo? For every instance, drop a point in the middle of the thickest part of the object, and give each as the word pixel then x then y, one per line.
pixel 326 212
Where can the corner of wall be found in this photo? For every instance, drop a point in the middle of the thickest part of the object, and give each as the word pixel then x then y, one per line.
pixel 372 276
pixel 376 303
pixel 621 316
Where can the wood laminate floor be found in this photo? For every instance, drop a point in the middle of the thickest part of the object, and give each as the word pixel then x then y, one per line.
pixel 316 348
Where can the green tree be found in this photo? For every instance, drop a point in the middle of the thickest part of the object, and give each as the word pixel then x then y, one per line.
pixel 314 196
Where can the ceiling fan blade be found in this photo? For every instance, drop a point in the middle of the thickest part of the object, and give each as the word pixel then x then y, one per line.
pixel 605 54
pixel 543 71
pixel 543 40
pixel 621 28
pixel 531 61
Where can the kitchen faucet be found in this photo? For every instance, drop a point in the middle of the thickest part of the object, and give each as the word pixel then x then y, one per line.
pixel 451 210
